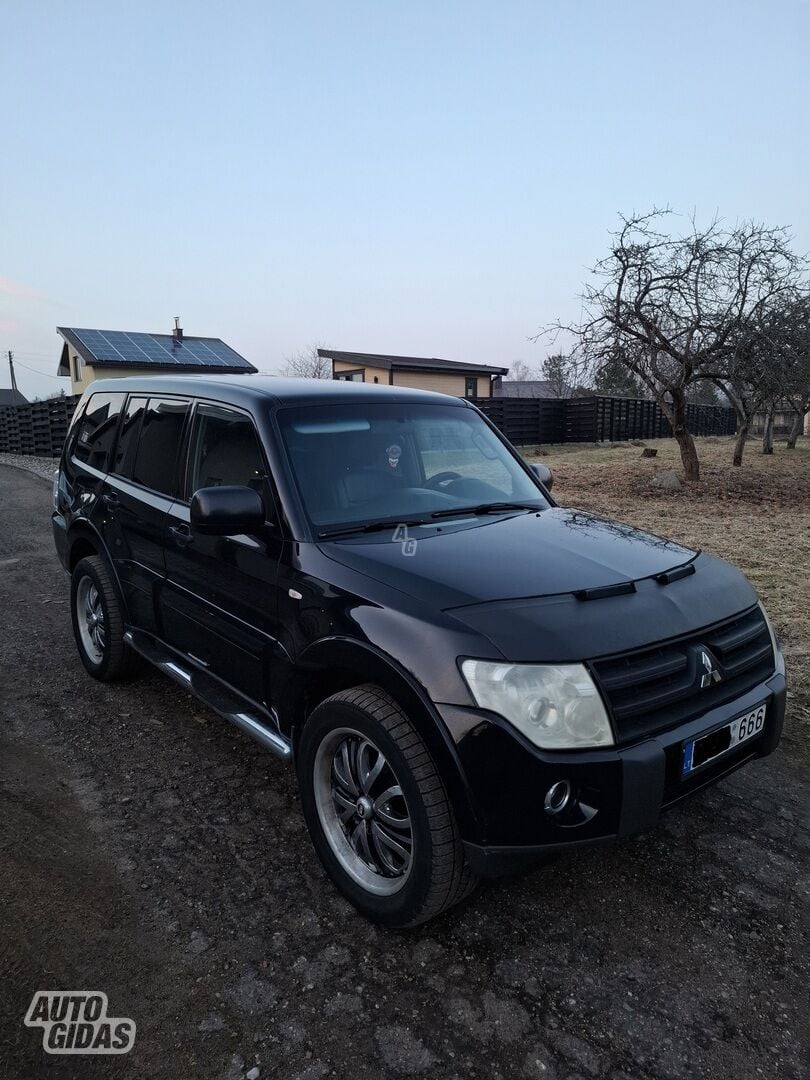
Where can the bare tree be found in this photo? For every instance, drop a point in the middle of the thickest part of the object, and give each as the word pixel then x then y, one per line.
pixel 520 373
pixel 788 335
pixel 747 378
pixel 767 430
pixel 307 364
pixel 672 306
pixel 769 368
pixel 796 428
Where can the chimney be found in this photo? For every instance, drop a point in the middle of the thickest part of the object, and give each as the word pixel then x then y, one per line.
pixel 177 333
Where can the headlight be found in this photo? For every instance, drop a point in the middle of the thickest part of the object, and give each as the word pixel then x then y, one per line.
pixel 778 657
pixel 556 706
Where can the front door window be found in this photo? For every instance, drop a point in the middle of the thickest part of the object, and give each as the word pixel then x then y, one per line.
pixel 225 450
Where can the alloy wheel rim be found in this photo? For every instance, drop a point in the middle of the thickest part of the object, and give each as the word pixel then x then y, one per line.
pixel 363 811
pixel 90 618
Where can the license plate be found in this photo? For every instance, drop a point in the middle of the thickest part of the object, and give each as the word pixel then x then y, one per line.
pixel 697 752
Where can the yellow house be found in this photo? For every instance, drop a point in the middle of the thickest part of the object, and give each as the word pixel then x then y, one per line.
pixel 103 354
pixel 417 372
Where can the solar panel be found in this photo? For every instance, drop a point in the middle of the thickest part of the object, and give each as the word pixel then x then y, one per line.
pixel 119 347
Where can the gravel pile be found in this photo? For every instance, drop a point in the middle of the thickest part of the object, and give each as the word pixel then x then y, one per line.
pixel 41 466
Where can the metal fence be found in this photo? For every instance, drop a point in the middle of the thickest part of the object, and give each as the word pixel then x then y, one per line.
pixel 40 428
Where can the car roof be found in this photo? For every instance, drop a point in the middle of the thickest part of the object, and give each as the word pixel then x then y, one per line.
pixel 281 390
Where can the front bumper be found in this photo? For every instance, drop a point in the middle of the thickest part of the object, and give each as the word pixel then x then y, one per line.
pixel 616 792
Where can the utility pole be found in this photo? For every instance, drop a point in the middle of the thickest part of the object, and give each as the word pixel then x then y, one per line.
pixel 14 393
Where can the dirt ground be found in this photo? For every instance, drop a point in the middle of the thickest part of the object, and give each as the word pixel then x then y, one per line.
pixel 150 851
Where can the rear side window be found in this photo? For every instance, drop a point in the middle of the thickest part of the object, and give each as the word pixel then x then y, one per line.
pixel 225 449
pixel 95 432
pixel 155 464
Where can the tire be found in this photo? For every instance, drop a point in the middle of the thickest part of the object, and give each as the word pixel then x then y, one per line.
pixel 397 856
pixel 98 622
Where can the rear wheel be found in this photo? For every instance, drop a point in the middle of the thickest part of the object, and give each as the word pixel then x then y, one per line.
pixel 377 810
pixel 98 622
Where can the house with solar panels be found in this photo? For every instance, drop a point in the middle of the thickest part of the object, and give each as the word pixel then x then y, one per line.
pixel 103 354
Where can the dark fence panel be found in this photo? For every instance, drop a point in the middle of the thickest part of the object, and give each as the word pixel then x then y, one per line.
pixel 605 419
pixel 710 420
pixel 38 429
pixel 582 420
pixel 526 421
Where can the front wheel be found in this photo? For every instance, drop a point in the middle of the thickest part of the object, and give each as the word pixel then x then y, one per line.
pixel 377 810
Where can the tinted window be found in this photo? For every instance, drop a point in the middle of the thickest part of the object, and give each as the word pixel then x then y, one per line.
pixel 225 450
pixel 95 432
pixel 367 461
pixel 128 437
pixel 159 444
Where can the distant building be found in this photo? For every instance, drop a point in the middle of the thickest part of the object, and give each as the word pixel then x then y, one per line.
pixel 418 372
pixel 11 397
pixel 783 417
pixel 530 388
pixel 103 354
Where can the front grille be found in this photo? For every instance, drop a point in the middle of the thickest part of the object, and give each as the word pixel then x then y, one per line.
pixel 655 689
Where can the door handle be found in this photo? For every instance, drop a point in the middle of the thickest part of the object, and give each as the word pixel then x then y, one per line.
pixel 111 500
pixel 181 535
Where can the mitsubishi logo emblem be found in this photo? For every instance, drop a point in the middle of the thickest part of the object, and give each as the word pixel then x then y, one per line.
pixel 710 673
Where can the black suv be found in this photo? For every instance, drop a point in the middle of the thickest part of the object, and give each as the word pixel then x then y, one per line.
pixel 374 584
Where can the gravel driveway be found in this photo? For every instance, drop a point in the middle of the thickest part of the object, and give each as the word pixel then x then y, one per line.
pixel 150 851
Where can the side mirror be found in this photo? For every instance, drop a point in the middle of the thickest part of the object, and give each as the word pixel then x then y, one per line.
pixel 226 511
pixel 543 474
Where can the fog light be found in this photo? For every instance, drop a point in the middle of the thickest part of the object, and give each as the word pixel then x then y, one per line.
pixel 557 797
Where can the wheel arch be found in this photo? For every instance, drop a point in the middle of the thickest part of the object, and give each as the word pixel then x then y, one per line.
pixel 333 664
pixel 84 542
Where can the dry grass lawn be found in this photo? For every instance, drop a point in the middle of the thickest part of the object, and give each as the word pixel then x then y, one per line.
pixel 757 517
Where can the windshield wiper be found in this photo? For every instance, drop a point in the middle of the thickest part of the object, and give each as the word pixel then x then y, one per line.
pixel 370 526
pixel 484 508
pixel 393 523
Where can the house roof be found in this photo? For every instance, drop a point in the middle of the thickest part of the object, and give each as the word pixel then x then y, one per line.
pixel 7 398
pixel 163 352
pixel 412 363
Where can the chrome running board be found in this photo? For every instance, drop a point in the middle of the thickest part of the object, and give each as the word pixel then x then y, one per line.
pixel 212 693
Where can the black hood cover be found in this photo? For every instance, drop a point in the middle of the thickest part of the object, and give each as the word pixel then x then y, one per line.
pixel 523 555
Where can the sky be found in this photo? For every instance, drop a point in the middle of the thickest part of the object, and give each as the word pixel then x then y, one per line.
pixel 423 178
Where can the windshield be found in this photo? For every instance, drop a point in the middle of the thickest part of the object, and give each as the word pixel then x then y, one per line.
pixel 364 462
